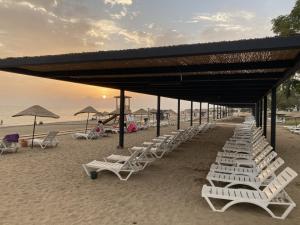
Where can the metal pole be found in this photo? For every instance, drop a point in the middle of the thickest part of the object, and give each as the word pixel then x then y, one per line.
pixel 200 111
pixel 121 119
pixel 257 114
pixel 34 123
pixel 158 117
pixel 87 121
pixel 273 118
pixel 207 112
pixel 261 112
pixel 191 122
pixel 178 114
pixel 265 115
pixel 214 112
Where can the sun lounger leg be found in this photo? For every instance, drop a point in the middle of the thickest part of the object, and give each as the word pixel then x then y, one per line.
pixel 120 176
pixel 86 170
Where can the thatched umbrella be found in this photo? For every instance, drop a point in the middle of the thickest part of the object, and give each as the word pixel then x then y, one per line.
pixel 140 112
pixel 87 110
pixel 104 113
pixel 36 111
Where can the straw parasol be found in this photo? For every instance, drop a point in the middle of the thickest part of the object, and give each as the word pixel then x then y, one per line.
pixel 141 112
pixel 87 110
pixel 36 111
pixel 105 113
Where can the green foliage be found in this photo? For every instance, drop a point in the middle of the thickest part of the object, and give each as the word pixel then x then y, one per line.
pixel 287 25
pixel 288 94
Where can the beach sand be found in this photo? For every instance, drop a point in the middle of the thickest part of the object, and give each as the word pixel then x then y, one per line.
pixel 50 187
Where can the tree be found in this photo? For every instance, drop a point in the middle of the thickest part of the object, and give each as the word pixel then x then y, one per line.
pixel 288 25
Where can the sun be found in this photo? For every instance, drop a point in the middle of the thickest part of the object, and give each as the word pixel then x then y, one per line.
pixel 104 96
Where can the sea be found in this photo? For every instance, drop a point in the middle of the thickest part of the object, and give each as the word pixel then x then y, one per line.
pixel 66 114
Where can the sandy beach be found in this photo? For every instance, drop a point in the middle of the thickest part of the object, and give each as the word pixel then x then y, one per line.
pixel 50 187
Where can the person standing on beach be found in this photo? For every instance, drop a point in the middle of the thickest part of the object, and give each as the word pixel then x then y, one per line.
pixel 100 126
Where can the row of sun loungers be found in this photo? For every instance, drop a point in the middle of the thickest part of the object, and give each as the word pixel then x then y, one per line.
pixel 244 172
pixel 141 156
pixel 293 129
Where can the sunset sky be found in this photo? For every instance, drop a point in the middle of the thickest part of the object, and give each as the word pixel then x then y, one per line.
pixel 39 27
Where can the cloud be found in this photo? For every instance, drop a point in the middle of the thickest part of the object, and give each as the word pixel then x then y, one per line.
pixel 55 3
pixel 121 14
pixel 223 17
pixel 106 30
pixel 118 2
pixel 38 9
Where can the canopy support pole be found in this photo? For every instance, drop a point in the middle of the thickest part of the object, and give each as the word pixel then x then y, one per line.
pixel 158 117
pixel 260 112
pixel 214 112
pixel 265 115
pixel 273 118
pixel 121 119
pixel 178 114
pixel 257 114
pixel 191 122
pixel 207 112
pixel 200 113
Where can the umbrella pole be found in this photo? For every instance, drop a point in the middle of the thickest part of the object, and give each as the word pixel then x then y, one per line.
pixel 33 131
pixel 87 121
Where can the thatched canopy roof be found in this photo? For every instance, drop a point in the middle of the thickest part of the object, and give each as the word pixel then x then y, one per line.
pixel 141 112
pixel 38 111
pixel 88 109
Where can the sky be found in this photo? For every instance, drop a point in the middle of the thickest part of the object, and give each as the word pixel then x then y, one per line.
pixel 39 27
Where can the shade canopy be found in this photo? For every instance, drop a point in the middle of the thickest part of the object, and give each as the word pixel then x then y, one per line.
pixel 233 73
pixel 38 111
pixel 88 109
pixel 141 112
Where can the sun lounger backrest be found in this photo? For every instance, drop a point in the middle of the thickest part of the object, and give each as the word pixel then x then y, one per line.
pixel 50 137
pixel 92 133
pixel 279 183
pixel 263 154
pixel 131 161
pixel 270 170
pixel 266 161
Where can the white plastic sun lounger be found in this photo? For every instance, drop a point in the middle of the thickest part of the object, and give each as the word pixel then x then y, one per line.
pixel 142 159
pixel 272 195
pixel 244 160
pixel 244 148
pixel 49 141
pixel 92 134
pixel 128 167
pixel 254 182
pixel 239 170
pixel 8 147
pixel 245 155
